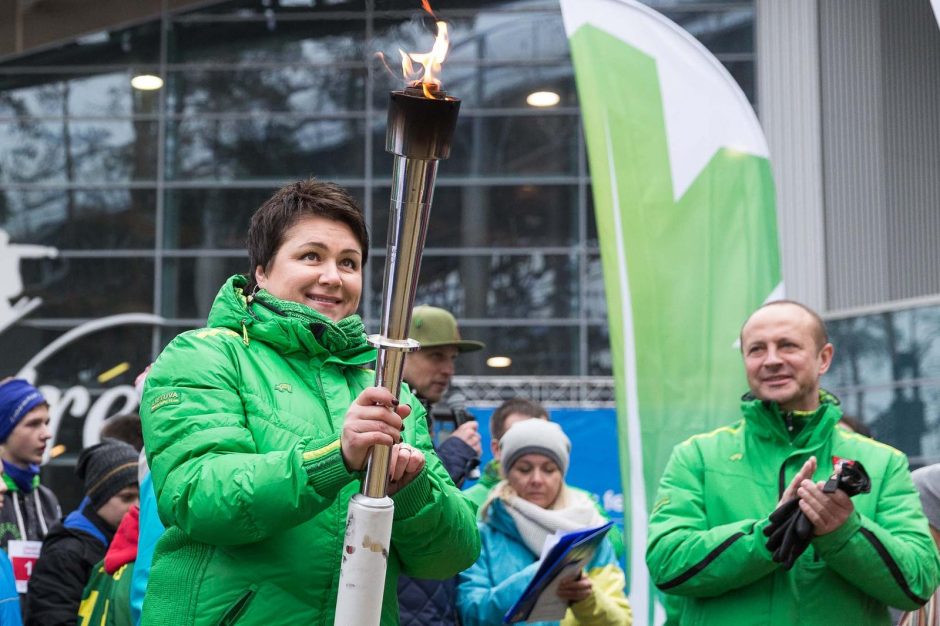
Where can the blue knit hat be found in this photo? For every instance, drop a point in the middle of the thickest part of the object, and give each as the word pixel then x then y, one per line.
pixel 17 398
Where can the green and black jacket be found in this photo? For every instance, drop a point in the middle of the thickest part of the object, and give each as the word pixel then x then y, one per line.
pixel 242 424
pixel 706 543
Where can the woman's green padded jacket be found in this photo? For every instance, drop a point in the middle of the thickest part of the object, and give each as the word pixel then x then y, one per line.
pixel 242 424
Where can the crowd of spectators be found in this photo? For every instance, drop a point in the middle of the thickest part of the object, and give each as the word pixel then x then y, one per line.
pixel 224 501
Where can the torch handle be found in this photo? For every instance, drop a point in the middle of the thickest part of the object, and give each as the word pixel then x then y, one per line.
pixel 412 192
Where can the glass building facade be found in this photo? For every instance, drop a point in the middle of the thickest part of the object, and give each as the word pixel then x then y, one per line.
pixel 146 195
pixel 886 372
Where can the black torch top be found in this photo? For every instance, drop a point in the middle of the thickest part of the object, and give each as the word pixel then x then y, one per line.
pixel 420 127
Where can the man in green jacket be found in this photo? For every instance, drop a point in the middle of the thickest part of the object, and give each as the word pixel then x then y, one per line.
pixel 707 548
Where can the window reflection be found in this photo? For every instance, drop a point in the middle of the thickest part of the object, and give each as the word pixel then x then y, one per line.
pixel 84 288
pixel 534 350
pixel 265 147
pixel 595 302
pixel 512 216
pixel 743 74
pixel 106 94
pixel 504 146
pixel 215 218
pixel 886 370
pixel 525 286
pixel 80 218
pixel 192 284
pixel 64 151
pixel 600 356
pixel 268 40
pixel 486 36
pixel 721 31
pixel 305 90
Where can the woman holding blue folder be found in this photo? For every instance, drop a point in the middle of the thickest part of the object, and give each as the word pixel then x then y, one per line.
pixel 530 505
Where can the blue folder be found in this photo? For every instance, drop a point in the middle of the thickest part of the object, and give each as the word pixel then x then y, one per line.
pixel 571 547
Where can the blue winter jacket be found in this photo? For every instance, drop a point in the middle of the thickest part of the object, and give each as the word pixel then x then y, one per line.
pixel 492 585
pixel 9 598
pixel 151 529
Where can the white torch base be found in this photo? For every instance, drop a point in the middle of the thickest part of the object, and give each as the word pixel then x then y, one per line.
pixel 365 561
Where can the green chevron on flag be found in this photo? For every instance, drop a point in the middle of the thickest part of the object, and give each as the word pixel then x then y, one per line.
pixel 684 201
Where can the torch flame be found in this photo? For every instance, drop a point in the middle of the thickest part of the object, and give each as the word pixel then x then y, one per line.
pixel 431 61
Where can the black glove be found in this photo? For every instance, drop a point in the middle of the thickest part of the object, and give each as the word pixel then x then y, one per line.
pixel 790 531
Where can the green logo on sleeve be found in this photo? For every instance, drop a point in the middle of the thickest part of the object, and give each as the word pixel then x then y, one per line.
pixel 170 397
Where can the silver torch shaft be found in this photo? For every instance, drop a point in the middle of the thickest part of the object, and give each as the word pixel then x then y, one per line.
pixel 420 131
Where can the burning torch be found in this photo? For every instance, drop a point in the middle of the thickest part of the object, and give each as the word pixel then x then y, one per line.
pixel 421 123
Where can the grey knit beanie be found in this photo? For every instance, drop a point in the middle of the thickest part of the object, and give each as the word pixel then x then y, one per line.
pixel 927 481
pixel 535 436
pixel 106 468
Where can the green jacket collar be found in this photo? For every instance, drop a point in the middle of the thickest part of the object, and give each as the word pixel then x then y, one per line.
pixel 288 326
pixel 12 486
pixel 491 474
pixel 767 421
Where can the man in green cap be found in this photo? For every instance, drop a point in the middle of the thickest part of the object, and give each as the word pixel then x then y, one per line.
pixel 428 372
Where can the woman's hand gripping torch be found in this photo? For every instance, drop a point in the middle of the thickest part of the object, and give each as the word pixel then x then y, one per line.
pixel 420 130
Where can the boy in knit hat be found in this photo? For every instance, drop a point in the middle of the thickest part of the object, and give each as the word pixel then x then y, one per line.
pixel 29 509
pixel 72 548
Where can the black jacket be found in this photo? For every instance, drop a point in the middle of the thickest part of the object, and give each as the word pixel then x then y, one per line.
pixel 26 502
pixel 434 602
pixel 69 552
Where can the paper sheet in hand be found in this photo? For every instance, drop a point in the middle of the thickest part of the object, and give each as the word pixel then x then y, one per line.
pixel 539 602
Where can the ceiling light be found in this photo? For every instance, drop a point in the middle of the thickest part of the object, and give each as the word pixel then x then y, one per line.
pixel 543 99
pixel 499 361
pixel 146 82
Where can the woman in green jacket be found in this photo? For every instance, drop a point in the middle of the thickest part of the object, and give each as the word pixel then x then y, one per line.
pixel 257 429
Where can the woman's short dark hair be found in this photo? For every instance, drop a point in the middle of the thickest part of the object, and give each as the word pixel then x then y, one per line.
pixel 288 205
pixel 523 406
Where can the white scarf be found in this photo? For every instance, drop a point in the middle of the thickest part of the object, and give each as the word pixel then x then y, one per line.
pixel 572 510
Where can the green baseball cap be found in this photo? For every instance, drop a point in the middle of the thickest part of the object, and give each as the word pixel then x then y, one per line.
pixel 432 326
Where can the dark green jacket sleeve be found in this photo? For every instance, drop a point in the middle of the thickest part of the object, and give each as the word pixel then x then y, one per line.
pixel 435 531
pixel 209 477
pixel 891 557
pixel 684 555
